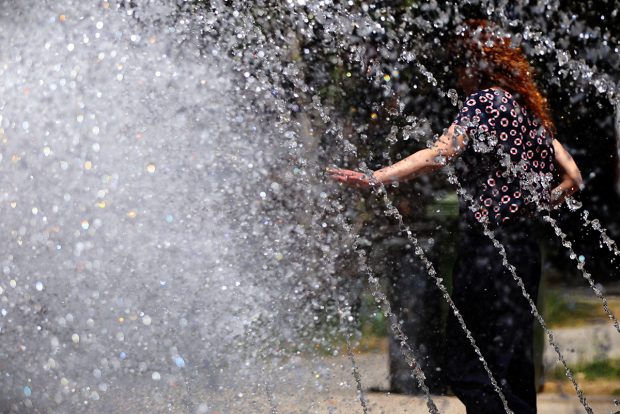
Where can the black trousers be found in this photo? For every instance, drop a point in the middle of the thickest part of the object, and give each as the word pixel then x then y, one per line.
pixel 498 317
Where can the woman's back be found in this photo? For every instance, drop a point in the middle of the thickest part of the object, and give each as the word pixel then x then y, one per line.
pixel 498 127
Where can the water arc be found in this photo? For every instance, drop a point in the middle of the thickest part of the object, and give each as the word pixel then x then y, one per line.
pixel 167 229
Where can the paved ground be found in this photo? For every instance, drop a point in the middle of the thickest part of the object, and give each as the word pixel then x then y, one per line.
pixel 394 404
pixel 304 385
pixel 325 387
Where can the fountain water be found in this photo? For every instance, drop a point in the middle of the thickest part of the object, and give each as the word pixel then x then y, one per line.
pixel 596 225
pixel 530 182
pixel 611 95
pixel 474 206
pixel 122 141
pixel 126 126
pixel 432 273
pixel 377 293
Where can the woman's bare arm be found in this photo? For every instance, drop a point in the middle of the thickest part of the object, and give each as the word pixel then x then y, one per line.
pixel 570 177
pixel 447 147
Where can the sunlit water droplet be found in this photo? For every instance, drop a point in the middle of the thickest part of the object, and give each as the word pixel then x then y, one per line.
pixel 179 361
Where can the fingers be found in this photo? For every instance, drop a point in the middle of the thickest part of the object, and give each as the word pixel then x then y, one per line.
pixel 340 174
pixel 335 175
pixel 340 178
pixel 351 178
pixel 339 171
pixel 345 173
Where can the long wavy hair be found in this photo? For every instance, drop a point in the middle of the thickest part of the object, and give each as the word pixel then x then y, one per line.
pixel 490 54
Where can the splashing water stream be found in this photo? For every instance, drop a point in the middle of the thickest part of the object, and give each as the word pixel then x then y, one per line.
pixel 606 87
pixel 379 296
pixel 581 267
pixel 453 179
pixel 355 371
pixel 395 323
pixel 474 206
pixel 315 234
pixel 126 127
pixel 391 210
pixel 529 183
pixel 596 225
pixel 122 255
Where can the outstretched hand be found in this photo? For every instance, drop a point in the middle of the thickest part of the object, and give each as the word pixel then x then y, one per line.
pixel 351 178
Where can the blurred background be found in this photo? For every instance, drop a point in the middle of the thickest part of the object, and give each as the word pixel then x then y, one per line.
pixel 170 233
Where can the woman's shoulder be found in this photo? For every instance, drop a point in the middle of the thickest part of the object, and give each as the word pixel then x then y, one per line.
pixel 490 94
pixel 494 98
pixel 484 100
pixel 487 97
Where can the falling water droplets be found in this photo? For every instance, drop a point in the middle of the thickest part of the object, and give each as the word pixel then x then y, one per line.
pixel 454 97
pixel 102 90
pixel 572 204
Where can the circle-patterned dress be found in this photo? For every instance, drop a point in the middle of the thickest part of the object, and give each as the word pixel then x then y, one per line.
pixel 507 164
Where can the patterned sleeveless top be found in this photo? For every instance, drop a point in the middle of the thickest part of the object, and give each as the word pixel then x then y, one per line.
pixel 497 129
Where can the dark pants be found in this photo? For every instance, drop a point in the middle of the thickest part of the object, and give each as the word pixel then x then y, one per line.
pixel 498 317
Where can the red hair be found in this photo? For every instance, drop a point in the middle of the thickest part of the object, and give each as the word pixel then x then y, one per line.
pixel 490 52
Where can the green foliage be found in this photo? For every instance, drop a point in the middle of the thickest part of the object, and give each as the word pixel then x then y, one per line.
pixel 373 322
pixel 603 369
pixel 447 206
pixel 562 310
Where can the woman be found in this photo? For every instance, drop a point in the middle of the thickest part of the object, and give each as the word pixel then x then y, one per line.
pixel 503 139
